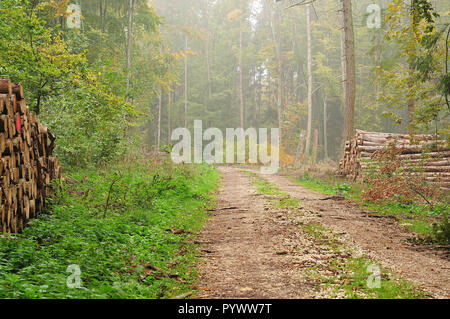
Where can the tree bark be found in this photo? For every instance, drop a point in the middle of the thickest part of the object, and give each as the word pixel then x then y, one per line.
pixel 325 133
pixel 310 81
pixel 185 82
pixel 129 44
pixel 208 66
pixel 169 107
pixel 101 13
pixel 350 85
pixel 158 143
pixel 279 71
pixel 412 67
pixel 343 68
pixel 300 147
pixel 316 143
pixel 241 74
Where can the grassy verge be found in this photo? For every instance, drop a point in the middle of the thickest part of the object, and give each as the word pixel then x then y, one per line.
pixel 346 275
pixel 281 199
pixel 416 217
pixel 129 229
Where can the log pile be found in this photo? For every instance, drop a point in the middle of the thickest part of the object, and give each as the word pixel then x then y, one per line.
pixel 26 165
pixel 424 155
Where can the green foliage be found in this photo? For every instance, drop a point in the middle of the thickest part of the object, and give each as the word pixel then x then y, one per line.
pixel 313 183
pixel 348 273
pixel 355 282
pixel 441 230
pixel 263 186
pixel 343 189
pixel 34 53
pixel 76 79
pixel 115 254
pixel 421 67
pixel 423 219
pixel 425 10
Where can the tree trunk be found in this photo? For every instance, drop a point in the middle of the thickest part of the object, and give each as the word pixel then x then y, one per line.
pixel 316 143
pixel 208 66
pixel 169 126
pixel 343 68
pixel 412 66
pixel 350 86
pixel 310 81
pixel 258 118
pixel 129 44
pixel 185 82
pixel 300 147
pixel 241 75
pixel 255 94
pixel 104 16
pixel 101 13
pixel 279 71
pixel 325 133
pixel 158 143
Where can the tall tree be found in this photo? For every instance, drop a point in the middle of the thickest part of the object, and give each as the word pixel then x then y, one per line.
pixel 186 81
pixel 241 70
pixel 325 124
pixel 169 115
pixel 160 93
pixel 412 62
pixel 207 58
pixel 310 81
pixel 129 43
pixel 350 72
pixel 276 37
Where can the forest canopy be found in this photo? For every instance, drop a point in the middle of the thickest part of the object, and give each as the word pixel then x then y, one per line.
pixel 135 70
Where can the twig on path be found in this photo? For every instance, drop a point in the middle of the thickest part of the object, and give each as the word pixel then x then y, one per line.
pixel 225 208
pixel 333 198
pixel 183 296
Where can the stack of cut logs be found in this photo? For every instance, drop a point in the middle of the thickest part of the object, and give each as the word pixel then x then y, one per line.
pixel 424 155
pixel 26 165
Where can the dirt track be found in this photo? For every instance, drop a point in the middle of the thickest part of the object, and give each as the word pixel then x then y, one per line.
pixel 253 250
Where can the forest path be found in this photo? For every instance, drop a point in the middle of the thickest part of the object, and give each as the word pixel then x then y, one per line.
pixel 245 245
pixel 255 250
pixel 381 238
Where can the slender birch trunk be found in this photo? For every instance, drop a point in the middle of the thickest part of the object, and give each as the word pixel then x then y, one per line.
pixel 310 81
pixel 169 110
pixel 129 44
pixel 241 75
pixel 185 82
pixel 279 71
pixel 350 85
pixel 159 119
pixel 325 123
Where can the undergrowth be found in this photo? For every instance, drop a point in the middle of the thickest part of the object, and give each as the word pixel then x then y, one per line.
pixel 348 275
pixel 128 228
pixel 430 221
pixel 281 199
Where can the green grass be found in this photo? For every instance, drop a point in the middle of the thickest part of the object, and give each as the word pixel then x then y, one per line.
pixel 353 271
pixel 117 250
pixel 351 274
pixel 263 186
pixel 316 185
pixel 355 282
pixel 286 203
pixel 416 217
